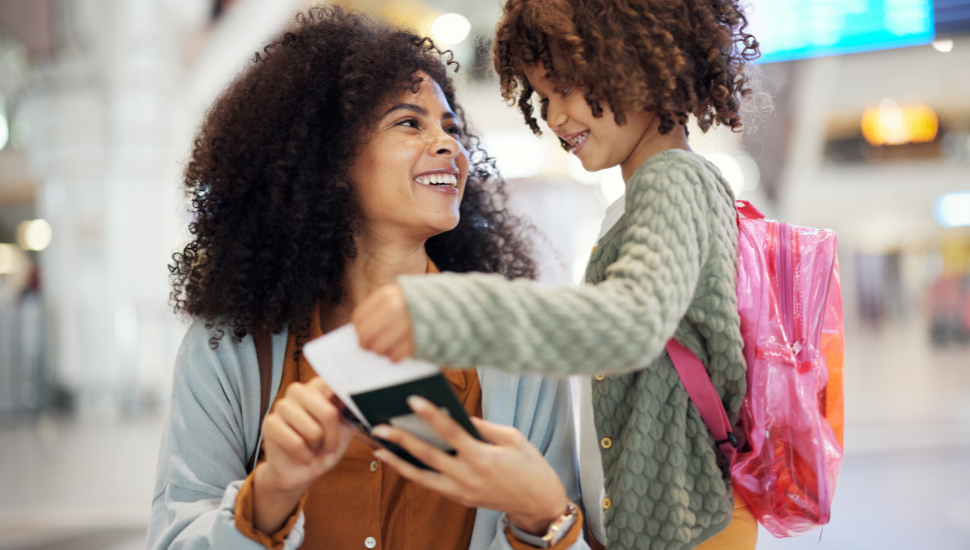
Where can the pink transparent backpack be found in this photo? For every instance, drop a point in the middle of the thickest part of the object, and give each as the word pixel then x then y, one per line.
pixel 786 465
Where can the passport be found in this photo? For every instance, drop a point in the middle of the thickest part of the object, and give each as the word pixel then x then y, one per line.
pixel 370 389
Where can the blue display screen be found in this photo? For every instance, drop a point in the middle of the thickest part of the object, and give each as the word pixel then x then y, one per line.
pixel 796 29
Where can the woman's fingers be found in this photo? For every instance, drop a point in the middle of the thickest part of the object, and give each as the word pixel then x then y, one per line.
pixel 308 410
pixel 430 455
pixel 447 428
pixel 278 433
pixel 301 422
pixel 426 478
pixel 317 399
pixel 497 433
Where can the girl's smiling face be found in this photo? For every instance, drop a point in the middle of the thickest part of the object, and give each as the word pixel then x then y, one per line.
pixel 599 143
pixel 410 173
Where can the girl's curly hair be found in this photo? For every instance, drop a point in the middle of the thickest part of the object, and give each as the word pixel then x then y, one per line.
pixel 274 220
pixel 672 57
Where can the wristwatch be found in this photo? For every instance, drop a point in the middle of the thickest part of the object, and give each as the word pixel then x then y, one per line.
pixel 557 529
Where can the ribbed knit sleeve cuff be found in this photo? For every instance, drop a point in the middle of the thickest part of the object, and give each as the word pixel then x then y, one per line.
pixel 244 518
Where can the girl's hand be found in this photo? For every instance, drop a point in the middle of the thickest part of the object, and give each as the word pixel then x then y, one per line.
pixel 384 325
pixel 510 475
pixel 303 438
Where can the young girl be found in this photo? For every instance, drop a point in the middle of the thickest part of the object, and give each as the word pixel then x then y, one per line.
pixel 335 163
pixel 617 82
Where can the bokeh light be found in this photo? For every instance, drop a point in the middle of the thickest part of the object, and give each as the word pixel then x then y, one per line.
pixel 34 234
pixel 953 209
pixel 891 124
pixel 450 28
pixel 11 259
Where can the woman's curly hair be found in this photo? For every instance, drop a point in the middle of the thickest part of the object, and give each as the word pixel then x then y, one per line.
pixel 672 57
pixel 274 218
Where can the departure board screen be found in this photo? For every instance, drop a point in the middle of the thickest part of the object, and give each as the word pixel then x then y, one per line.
pixel 796 29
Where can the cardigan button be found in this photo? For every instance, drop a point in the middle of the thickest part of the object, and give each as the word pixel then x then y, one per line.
pixel 370 542
pixel 606 442
pixel 601 377
pixel 607 503
pixel 373 466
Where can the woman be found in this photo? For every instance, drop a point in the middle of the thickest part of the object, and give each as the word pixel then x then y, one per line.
pixel 337 162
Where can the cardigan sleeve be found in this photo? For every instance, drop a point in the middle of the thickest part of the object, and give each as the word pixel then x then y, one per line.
pixel 618 325
pixel 202 462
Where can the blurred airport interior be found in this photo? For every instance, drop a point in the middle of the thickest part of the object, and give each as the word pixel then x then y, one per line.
pixel 869 135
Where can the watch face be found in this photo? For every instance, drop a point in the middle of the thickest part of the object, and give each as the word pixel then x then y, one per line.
pixel 560 526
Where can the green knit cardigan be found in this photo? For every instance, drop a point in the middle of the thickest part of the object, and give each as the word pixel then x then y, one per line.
pixel 667 268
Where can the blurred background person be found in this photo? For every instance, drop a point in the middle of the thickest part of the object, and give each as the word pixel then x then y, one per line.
pixel 99 100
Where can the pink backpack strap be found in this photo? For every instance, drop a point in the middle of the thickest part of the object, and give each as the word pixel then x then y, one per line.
pixel 701 391
pixel 748 210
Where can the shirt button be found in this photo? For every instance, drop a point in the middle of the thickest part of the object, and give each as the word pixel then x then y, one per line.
pixel 370 542
pixel 607 503
pixel 373 468
pixel 600 377
pixel 606 442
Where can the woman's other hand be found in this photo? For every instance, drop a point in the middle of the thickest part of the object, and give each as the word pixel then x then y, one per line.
pixel 384 325
pixel 303 438
pixel 510 475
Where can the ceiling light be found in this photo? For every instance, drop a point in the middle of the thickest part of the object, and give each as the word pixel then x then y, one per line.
pixel 450 29
pixel 12 259
pixel 34 234
pixel 953 209
pixel 944 45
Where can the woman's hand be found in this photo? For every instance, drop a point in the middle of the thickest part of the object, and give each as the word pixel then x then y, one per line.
pixel 303 438
pixel 510 475
pixel 384 325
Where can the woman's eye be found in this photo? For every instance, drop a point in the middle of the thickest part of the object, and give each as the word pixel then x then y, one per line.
pixel 410 123
pixel 454 130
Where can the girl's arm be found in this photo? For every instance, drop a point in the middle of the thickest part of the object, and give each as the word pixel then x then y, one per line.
pixel 620 324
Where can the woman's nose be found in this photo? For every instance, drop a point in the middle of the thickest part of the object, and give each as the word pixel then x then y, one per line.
pixel 445 144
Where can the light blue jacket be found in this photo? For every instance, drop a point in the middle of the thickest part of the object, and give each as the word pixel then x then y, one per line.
pixel 213 426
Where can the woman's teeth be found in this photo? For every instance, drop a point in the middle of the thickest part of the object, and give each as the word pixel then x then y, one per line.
pixel 449 180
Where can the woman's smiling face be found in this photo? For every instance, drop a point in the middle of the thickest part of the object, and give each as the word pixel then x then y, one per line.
pixel 599 143
pixel 410 173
